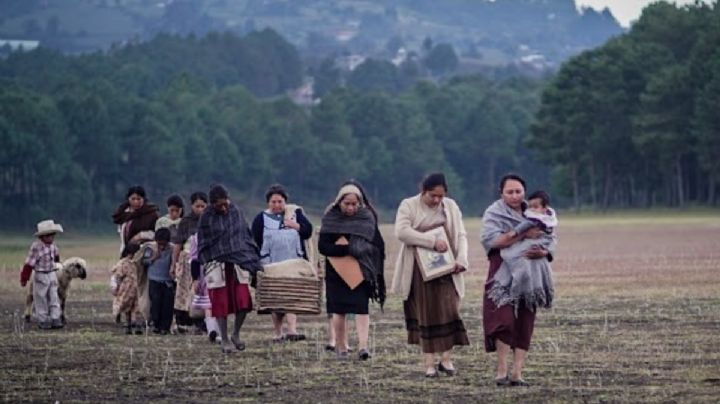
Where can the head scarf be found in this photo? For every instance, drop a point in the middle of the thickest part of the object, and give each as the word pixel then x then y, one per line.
pixel 346 190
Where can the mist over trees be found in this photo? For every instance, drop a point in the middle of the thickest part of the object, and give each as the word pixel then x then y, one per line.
pixel 632 123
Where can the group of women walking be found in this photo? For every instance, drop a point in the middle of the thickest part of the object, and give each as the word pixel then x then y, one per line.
pixel 215 249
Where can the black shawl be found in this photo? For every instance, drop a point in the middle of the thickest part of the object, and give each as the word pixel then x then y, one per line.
pixel 365 244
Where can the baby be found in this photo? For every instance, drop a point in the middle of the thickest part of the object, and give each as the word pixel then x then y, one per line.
pixel 538 214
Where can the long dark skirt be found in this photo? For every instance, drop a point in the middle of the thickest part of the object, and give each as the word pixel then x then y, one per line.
pixel 500 323
pixel 432 314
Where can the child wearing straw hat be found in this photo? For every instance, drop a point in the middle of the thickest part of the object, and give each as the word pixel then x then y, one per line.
pixel 44 259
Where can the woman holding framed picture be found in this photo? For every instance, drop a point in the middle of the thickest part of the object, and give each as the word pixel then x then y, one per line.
pixel 428 272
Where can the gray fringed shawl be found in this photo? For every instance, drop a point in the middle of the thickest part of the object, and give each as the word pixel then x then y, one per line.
pixel 518 278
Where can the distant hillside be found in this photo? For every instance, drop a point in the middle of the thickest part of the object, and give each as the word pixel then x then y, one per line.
pixel 498 32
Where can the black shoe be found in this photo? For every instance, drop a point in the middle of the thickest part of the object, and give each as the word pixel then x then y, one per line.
pixel 449 372
pixel 45 325
pixel 212 336
pixel 502 382
pixel 139 329
pixel 56 324
pixel 27 318
pixel 164 332
pixel 519 383
pixel 364 355
pixel 128 331
pixel 295 337
pixel 156 331
pixel 329 348
pixel 239 345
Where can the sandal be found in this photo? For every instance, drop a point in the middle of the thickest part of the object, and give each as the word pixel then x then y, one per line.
pixel 278 340
pixel 227 349
pixel 502 382
pixel 295 337
pixel 432 375
pixel 330 348
pixel 239 345
pixel 519 383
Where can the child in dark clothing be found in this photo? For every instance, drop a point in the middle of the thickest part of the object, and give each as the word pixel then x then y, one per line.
pixel 161 285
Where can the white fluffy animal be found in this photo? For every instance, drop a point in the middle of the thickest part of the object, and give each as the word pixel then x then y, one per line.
pixel 73 267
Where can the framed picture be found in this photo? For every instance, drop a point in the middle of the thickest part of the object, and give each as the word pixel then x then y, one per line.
pixel 434 264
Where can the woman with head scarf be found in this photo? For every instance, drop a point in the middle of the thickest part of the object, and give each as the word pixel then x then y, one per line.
pixel 349 229
pixel 432 308
pixel 230 257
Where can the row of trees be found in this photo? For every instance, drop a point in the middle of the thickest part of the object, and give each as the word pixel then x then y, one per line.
pixel 635 122
pixel 77 130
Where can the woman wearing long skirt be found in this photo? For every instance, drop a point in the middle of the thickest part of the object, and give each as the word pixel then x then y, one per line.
pixel 432 308
pixel 230 257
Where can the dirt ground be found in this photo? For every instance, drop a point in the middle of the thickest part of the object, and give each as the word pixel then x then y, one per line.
pixel 637 319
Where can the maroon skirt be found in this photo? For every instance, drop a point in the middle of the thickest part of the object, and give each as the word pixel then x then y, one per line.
pixel 500 323
pixel 232 298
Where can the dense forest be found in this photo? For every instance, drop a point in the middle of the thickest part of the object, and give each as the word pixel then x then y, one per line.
pixel 633 123
pixel 636 122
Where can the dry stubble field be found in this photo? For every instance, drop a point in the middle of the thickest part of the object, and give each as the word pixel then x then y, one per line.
pixel 637 318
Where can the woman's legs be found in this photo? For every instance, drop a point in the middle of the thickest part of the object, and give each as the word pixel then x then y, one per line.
pixel 429 362
pixel 277 319
pixel 239 320
pixel 518 362
pixel 445 360
pixel 291 323
pixel 502 352
pixel 362 325
pixel 338 322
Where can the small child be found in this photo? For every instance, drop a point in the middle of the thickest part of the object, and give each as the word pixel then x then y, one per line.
pixel 124 288
pixel 521 280
pixel 201 300
pixel 171 221
pixel 161 285
pixel 538 214
pixel 44 259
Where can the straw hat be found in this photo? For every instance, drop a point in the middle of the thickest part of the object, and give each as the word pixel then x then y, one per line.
pixel 48 227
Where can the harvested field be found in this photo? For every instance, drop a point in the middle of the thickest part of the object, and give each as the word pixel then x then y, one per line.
pixel 637 319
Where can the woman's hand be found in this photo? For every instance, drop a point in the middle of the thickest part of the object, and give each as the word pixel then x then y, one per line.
pixel 292 224
pixel 459 269
pixel 194 287
pixel 533 233
pixel 535 253
pixel 440 246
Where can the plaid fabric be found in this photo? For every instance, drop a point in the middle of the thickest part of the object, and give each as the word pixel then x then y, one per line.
pixel 226 238
pixel 42 256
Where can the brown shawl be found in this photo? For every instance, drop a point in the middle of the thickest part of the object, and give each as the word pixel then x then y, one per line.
pixel 141 220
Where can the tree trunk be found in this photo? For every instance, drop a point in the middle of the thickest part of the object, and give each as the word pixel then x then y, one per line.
pixel 593 190
pixel 576 187
pixel 607 188
pixel 680 185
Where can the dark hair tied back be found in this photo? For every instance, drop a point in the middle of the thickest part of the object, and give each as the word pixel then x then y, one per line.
pixel 136 189
pixel 198 196
pixel 431 181
pixel 276 189
pixel 175 200
pixel 508 177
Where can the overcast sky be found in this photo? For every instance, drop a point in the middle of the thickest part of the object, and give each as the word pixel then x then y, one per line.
pixel 624 10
